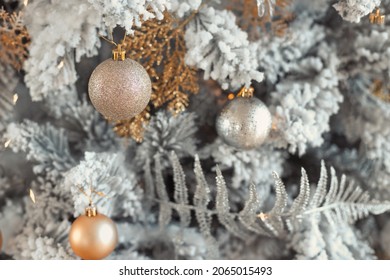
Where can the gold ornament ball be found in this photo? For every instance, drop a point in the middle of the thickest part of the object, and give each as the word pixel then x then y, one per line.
pixel 244 123
pixel 93 238
pixel 120 89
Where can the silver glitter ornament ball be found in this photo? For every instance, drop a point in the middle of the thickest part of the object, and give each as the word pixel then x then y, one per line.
pixel 244 123
pixel 119 89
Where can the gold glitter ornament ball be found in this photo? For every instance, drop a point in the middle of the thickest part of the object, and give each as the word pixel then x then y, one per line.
pixel 244 123
pixel 119 89
pixel 93 236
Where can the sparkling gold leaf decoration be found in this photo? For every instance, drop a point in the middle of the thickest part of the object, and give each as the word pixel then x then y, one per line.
pixel 160 47
pixel 101 194
pixel 89 194
pixel 14 39
pixel 249 19
pixel 6 144
pixel 380 90
pixel 32 196
pixel 15 98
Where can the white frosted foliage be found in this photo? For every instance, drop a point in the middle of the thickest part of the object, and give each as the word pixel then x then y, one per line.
pixel 127 13
pixel 183 7
pixel 182 193
pixel 104 173
pixel 303 107
pixel 354 10
pixel 57 36
pixel 219 47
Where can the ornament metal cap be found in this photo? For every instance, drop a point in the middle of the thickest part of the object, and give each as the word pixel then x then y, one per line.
pixel 90 211
pixel 246 92
pixel 118 53
pixel 377 17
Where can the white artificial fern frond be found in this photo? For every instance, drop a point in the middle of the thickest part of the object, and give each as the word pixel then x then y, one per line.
pixel 222 206
pixel 203 216
pixel 247 215
pixel 181 193
pixel 165 213
pixel 321 188
pixel 339 204
pixel 275 222
pixel 302 200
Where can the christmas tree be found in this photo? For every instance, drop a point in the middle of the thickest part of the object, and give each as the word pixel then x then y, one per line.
pixel 237 129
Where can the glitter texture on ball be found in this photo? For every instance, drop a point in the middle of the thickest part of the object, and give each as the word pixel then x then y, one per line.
pixel 244 123
pixel 120 90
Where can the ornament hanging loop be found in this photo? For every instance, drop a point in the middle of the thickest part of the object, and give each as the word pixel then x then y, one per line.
pixel 246 92
pixel 118 53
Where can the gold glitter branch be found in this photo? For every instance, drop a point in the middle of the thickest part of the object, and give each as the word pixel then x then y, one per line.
pixel 135 127
pixel 160 47
pixel 380 90
pixel 92 192
pixel 14 39
pixel 250 21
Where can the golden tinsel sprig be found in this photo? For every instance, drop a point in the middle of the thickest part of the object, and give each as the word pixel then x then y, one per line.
pixel 249 19
pixel 134 127
pixel 380 91
pixel 14 39
pixel 159 46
